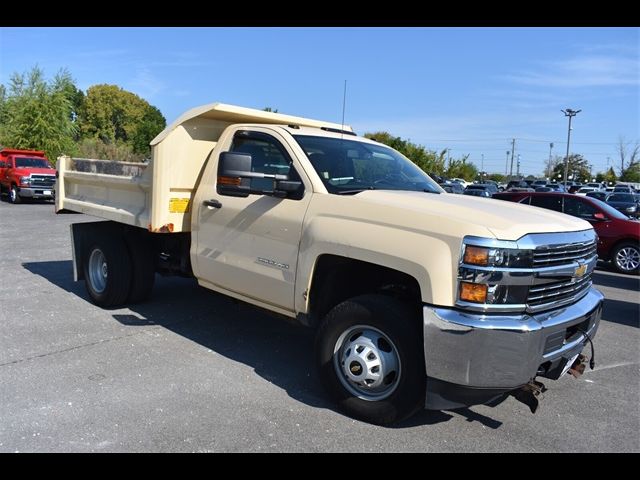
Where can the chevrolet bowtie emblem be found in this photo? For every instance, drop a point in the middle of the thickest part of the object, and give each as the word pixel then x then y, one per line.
pixel 580 271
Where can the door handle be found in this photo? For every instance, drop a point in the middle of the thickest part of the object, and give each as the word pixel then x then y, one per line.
pixel 212 203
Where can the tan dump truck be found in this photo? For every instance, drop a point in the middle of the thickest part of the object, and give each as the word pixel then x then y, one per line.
pixel 420 298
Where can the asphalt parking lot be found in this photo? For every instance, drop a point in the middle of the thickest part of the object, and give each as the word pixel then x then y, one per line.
pixel 195 371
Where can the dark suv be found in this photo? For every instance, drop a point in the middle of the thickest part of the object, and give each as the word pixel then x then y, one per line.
pixel 618 236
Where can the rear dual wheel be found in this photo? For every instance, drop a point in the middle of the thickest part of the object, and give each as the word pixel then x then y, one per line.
pixel 116 273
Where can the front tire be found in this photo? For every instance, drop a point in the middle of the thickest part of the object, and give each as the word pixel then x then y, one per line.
pixel 626 258
pixel 14 196
pixel 369 351
pixel 107 271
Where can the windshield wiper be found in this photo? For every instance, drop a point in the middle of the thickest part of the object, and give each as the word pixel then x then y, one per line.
pixel 354 191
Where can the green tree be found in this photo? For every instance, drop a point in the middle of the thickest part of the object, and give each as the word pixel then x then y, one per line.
pixel 460 168
pixel 631 173
pixel 578 169
pixel 114 115
pixel 428 160
pixel 496 177
pixel 609 176
pixel 37 114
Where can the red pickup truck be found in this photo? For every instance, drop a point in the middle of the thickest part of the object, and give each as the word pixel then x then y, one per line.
pixel 26 174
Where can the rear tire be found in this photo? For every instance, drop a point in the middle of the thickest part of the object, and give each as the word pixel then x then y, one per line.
pixel 107 271
pixel 370 355
pixel 626 258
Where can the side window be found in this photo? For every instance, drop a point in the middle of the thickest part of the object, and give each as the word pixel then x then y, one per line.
pixel 577 208
pixel 525 201
pixel 550 202
pixel 267 155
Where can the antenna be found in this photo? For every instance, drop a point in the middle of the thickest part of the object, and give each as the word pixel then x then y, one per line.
pixel 344 102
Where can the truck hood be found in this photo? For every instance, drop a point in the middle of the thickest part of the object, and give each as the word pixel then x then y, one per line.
pixel 23 172
pixel 505 220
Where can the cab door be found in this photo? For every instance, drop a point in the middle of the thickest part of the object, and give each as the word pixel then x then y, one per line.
pixel 249 246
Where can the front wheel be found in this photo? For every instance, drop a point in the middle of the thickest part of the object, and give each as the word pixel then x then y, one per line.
pixel 14 196
pixel 370 355
pixel 626 258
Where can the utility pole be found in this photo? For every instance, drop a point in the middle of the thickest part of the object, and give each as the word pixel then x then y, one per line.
pixel 518 174
pixel 568 113
pixel 513 149
pixel 481 166
pixel 506 165
pixel 549 166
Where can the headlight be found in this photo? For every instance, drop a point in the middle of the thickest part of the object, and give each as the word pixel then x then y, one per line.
pixel 631 209
pixel 496 257
pixel 25 180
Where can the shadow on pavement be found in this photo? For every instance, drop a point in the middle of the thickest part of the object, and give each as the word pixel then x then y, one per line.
pixel 279 351
pixel 619 311
pixel 626 282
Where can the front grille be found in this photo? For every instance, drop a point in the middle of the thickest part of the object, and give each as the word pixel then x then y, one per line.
pixel 557 291
pixel 563 254
pixel 46 181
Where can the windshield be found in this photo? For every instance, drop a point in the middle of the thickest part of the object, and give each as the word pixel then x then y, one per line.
pixel 26 162
pixel 349 167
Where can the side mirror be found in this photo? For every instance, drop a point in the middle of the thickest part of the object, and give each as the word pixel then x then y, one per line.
pixel 236 179
pixel 599 216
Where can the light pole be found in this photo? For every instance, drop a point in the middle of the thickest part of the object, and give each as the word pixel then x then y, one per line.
pixel 518 167
pixel 549 166
pixel 568 113
pixel 506 165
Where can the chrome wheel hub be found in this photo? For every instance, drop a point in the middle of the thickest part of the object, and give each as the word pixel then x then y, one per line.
pixel 367 363
pixel 628 258
pixel 98 271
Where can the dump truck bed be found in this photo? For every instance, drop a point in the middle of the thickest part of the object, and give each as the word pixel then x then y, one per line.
pixel 157 195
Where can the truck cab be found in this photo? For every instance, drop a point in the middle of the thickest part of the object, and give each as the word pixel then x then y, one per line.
pixel 26 174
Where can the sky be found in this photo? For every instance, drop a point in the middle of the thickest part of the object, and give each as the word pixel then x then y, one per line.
pixel 471 90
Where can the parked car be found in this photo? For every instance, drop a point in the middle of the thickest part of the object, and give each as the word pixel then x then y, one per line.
pixel 618 236
pixel 544 189
pixel 624 188
pixel 627 203
pixel 585 190
pixel 476 192
pixel 596 185
pixel 489 187
pixel 461 181
pixel 556 187
pixel 452 187
pixel 602 195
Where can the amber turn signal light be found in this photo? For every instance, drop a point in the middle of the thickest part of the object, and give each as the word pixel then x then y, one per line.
pixel 473 292
pixel 229 181
pixel 476 255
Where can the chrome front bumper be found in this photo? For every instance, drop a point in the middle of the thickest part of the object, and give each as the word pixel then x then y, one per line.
pixel 505 351
pixel 36 192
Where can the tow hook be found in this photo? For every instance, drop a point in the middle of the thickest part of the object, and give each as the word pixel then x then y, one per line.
pixel 578 366
pixel 530 394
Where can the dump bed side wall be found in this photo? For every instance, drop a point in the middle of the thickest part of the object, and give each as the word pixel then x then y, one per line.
pixel 118 191
pixel 178 163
